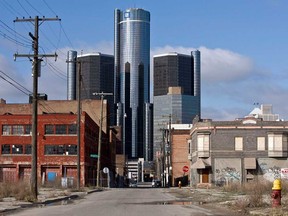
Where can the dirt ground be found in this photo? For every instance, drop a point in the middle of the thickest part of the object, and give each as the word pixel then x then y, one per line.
pixel 237 203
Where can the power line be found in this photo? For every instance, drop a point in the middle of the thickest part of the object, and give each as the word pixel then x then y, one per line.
pixel 13 40
pixel 15 84
pixel 66 35
pixel 12 31
pixel 33 7
pixel 10 8
pixel 23 8
pixel 49 8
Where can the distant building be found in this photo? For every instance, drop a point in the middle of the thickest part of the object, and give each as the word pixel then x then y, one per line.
pixel 177 92
pixel 71 74
pixel 265 112
pixel 97 71
pixel 132 79
pixel 177 70
pixel 221 152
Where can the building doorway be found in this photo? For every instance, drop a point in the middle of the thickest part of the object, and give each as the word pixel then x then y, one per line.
pixel 205 176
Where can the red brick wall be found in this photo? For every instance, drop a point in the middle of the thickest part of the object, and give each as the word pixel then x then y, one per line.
pixel 179 153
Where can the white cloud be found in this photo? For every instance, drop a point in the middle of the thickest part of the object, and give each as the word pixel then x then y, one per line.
pixel 217 65
pixel 230 81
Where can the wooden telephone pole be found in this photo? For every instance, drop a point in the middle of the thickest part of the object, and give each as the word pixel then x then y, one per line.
pixel 35 56
pixel 102 94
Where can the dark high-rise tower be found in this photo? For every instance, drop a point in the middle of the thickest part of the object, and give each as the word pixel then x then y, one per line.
pixel 176 91
pixel 177 70
pixel 132 79
pixel 97 72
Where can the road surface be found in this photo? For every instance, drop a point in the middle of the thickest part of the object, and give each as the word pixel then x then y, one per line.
pixel 123 202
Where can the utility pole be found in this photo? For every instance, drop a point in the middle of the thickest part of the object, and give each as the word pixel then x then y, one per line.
pixel 170 152
pixel 78 125
pixel 35 56
pixel 102 94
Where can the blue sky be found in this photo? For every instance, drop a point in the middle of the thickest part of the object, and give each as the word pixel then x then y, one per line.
pixel 243 46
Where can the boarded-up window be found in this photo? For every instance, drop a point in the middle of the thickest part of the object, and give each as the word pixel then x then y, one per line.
pixel 261 143
pixel 275 142
pixel 238 143
pixel 203 142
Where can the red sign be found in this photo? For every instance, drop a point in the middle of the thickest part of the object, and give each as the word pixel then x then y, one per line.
pixel 185 169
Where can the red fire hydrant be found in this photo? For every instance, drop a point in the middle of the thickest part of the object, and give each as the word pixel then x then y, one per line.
pixel 276 193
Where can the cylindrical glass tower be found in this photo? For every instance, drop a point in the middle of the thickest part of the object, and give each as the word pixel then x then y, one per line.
pixel 71 75
pixel 132 74
pixel 197 77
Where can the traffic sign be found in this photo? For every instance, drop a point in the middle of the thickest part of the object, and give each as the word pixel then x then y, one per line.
pixel 93 155
pixel 106 170
pixel 185 169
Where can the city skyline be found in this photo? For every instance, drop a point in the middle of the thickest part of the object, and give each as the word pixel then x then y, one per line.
pixel 242 46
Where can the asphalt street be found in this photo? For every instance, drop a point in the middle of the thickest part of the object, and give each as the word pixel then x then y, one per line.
pixel 123 202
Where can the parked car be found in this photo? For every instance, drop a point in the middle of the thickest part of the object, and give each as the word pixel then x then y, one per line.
pixel 156 183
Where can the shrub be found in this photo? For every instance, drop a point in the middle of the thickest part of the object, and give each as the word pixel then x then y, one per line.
pixel 20 190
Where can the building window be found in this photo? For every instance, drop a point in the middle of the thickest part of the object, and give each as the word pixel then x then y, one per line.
pixel 60 129
pixel 67 149
pixel 261 143
pixel 275 142
pixel 28 129
pixel 28 149
pixel 17 149
pixel 189 146
pixel 203 142
pixel 49 129
pixel 72 129
pixel 72 149
pixel 6 130
pixel 238 143
pixel 203 145
pixel 16 129
pixel 5 149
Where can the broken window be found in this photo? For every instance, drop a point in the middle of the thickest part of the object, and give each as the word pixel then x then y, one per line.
pixel 17 149
pixel 5 149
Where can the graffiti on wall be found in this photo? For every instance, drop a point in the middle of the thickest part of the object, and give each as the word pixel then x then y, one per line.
pixel 227 175
pixel 270 173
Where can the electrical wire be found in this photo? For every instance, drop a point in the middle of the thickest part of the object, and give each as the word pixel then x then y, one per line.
pixel 12 31
pixel 66 35
pixel 15 84
pixel 23 7
pixel 49 7
pixel 13 40
pixel 33 7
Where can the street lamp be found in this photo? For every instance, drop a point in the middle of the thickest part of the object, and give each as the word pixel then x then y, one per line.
pixel 100 134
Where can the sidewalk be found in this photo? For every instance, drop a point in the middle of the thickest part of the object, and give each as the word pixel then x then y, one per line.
pixel 46 196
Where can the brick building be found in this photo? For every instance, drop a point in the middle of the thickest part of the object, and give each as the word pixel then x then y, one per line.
pixel 170 160
pixel 57 141
pixel 179 153
pixel 237 151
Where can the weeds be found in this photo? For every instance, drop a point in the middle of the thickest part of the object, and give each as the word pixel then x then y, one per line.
pixel 254 191
pixel 20 190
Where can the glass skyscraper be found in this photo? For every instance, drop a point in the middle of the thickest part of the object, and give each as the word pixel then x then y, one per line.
pixel 132 80
pixel 177 91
